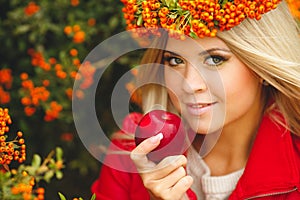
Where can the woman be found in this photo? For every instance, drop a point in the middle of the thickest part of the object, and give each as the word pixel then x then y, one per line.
pixel 256 111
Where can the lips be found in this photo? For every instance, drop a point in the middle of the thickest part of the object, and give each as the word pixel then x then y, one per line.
pixel 199 108
pixel 199 105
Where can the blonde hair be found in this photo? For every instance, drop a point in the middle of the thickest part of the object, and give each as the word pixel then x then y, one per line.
pixel 150 77
pixel 270 47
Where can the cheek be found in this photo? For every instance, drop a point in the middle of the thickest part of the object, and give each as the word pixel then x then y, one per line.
pixel 173 87
pixel 175 100
pixel 241 89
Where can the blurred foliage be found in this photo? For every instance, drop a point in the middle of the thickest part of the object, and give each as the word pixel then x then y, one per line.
pixel 22 182
pixel 43 43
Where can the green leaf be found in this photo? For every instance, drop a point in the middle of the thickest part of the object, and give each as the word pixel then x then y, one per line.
pixel 167 2
pixel 36 161
pixel 31 170
pixel 59 153
pixel 170 3
pixel 59 174
pixel 113 22
pixel 140 20
pixel 21 29
pixel 61 196
pixel 48 175
pixel 193 35
pixel 93 197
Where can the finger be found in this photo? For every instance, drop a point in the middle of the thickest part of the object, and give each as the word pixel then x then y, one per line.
pixel 171 163
pixel 182 186
pixel 160 179
pixel 177 191
pixel 139 154
pixel 159 186
pixel 171 180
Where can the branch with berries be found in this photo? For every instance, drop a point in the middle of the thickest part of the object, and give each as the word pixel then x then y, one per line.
pixel 23 183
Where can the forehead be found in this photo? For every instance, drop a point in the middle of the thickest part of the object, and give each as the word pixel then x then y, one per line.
pixel 194 46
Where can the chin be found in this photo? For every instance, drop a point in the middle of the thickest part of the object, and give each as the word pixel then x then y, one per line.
pixel 203 127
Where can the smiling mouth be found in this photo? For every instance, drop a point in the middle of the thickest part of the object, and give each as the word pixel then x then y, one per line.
pixel 200 105
pixel 197 109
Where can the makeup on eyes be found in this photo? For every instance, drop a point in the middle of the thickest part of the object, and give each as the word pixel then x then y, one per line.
pixel 172 59
pixel 215 60
pixel 213 57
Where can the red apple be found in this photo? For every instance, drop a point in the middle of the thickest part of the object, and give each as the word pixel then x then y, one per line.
pixel 172 128
pixel 130 122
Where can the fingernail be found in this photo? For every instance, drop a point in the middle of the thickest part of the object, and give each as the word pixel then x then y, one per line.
pixel 156 138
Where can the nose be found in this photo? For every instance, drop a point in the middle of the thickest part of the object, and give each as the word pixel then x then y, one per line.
pixel 193 81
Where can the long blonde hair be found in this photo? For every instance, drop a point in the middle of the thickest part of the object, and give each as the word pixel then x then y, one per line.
pixel 270 47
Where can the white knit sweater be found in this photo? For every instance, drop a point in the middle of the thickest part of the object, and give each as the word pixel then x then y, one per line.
pixel 209 187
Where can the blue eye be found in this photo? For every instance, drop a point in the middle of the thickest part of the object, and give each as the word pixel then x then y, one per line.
pixel 214 60
pixel 173 61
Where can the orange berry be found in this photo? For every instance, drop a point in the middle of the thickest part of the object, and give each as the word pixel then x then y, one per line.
pixel 68 30
pixel 10 145
pixel 58 67
pixel 31 8
pixel 20 134
pixel 76 62
pixel 29 111
pixel 61 74
pixel 13 171
pixel 52 61
pixel 24 76
pixel 69 92
pixel 40 197
pixel 21 141
pixel 59 164
pixel 79 37
pixel 91 21
pixel 31 182
pixel 74 2
pixel 73 52
pixel 40 190
pixel 24 173
pixel 73 74
pixel 76 28
pixel 79 94
pixel 46 83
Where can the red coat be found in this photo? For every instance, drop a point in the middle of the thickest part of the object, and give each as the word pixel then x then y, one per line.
pixel 272 170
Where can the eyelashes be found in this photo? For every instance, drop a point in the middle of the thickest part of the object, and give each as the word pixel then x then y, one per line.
pixel 173 61
pixel 213 60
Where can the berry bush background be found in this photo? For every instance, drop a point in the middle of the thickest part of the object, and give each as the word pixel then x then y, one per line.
pixel 43 43
pixel 42 46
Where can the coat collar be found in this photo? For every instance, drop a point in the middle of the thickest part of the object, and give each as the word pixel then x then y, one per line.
pixel 272 165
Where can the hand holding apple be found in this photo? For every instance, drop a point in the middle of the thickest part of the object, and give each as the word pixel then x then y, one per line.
pixel 172 128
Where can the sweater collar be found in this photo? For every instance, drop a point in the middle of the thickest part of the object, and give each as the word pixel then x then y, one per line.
pixel 271 164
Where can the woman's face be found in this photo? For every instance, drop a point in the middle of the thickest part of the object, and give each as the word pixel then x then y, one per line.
pixel 210 87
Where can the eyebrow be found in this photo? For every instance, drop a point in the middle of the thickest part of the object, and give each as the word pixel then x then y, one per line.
pixel 208 51
pixel 203 53
pixel 171 52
